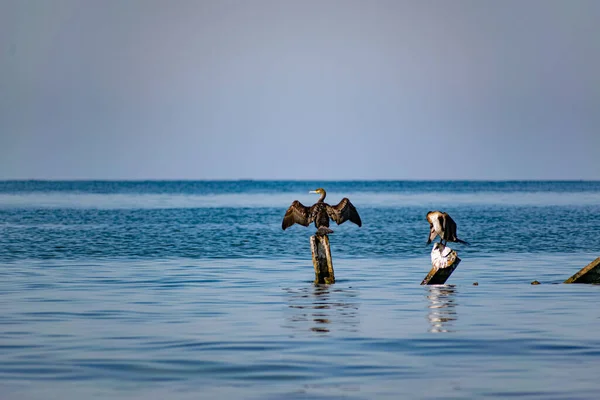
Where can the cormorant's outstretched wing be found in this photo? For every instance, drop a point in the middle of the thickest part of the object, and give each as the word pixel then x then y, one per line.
pixel 343 212
pixel 296 214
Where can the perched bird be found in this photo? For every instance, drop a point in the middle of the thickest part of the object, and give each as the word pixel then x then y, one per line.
pixel 320 213
pixel 442 225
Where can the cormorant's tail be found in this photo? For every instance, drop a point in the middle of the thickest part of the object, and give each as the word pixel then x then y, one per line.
pixel 323 230
pixel 462 241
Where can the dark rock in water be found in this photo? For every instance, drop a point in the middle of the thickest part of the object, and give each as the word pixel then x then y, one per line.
pixel 535 283
pixel 475 283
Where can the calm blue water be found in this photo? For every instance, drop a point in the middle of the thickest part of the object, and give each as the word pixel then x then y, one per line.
pixel 188 290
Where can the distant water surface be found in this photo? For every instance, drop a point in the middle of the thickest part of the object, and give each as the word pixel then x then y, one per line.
pixel 184 290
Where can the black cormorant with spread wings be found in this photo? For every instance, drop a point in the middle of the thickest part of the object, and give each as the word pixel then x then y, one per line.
pixel 442 225
pixel 320 213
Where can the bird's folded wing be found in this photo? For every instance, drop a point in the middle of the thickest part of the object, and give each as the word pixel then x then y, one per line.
pixel 442 221
pixel 450 227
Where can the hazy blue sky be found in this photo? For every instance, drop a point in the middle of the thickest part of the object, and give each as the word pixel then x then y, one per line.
pixel 109 89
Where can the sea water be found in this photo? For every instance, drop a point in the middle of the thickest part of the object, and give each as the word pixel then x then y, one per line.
pixel 189 290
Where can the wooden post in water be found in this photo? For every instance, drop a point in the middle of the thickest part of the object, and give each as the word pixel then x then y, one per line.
pixel 444 261
pixel 588 274
pixel 321 255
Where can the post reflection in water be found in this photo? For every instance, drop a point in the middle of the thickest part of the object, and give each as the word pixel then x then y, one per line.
pixel 322 308
pixel 442 307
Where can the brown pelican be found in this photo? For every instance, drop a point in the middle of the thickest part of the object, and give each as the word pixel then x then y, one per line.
pixel 320 213
pixel 440 223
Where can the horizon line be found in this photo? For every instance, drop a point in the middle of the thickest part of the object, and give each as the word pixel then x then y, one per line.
pixel 288 180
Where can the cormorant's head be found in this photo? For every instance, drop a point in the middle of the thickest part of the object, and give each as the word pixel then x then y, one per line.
pixel 318 191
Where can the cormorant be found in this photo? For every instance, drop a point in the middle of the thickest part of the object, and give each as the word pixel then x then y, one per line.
pixel 440 223
pixel 320 213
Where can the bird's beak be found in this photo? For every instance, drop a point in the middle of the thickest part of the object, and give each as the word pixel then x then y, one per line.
pixel 313 191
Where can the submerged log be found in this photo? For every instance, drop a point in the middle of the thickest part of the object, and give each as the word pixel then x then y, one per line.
pixel 321 255
pixel 444 261
pixel 588 274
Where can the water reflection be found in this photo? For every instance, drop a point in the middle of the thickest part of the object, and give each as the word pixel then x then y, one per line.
pixel 442 307
pixel 322 308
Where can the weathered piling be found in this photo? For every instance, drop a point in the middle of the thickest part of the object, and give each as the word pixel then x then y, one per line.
pixel 444 261
pixel 588 274
pixel 321 255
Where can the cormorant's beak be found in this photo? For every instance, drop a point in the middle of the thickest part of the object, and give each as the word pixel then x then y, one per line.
pixel 314 191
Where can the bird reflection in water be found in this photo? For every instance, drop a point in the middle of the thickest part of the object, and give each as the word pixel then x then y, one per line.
pixel 442 307
pixel 322 308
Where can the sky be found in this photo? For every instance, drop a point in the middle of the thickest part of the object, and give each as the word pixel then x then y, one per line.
pixel 312 89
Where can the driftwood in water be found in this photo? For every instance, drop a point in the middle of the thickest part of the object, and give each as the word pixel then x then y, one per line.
pixel 321 255
pixel 444 261
pixel 588 274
